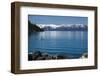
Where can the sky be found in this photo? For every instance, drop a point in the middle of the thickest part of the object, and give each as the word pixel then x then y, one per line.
pixel 46 19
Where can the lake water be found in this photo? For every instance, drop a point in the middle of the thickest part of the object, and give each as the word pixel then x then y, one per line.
pixel 73 43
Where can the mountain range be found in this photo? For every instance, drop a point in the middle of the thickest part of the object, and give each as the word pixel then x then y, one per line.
pixel 63 27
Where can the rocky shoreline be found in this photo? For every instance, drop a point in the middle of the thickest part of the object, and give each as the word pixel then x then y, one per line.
pixel 37 55
pixel 84 55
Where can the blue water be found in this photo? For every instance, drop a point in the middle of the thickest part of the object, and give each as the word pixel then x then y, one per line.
pixel 73 43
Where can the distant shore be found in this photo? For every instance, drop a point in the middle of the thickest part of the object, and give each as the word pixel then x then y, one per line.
pixel 36 28
pixel 37 55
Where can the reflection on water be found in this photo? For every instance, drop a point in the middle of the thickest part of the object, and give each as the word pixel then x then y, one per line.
pixel 58 42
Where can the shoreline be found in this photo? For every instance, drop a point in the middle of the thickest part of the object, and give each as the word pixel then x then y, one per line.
pixel 37 55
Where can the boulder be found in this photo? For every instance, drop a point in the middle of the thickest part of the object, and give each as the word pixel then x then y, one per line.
pixel 49 57
pixel 61 57
pixel 36 54
pixel 41 58
pixel 45 54
pixel 30 57
pixel 84 55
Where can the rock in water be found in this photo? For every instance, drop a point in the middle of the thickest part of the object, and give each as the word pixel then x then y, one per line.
pixel 41 58
pixel 30 57
pixel 45 55
pixel 60 57
pixel 85 55
pixel 36 54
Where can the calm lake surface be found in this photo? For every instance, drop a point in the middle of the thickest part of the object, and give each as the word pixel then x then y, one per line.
pixel 73 43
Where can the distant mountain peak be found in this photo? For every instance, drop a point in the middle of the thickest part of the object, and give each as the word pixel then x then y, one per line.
pixel 62 26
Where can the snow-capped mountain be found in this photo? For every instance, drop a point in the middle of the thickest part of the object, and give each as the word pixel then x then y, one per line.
pixel 60 25
pixel 63 27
